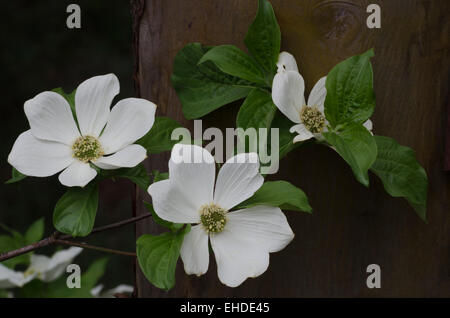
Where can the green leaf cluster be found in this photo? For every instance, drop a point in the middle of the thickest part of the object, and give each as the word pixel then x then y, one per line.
pixel 349 103
pixel 15 240
pixel 37 288
pixel 206 78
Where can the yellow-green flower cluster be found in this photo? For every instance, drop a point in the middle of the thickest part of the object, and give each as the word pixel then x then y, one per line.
pixel 213 218
pixel 87 148
pixel 312 118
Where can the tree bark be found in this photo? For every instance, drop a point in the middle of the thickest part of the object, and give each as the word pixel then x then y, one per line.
pixel 351 226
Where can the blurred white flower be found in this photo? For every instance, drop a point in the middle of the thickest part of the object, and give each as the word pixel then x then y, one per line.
pixel 42 267
pixel 288 90
pixel 241 240
pixel 11 279
pixel 103 137
pixel 51 268
pixel 121 289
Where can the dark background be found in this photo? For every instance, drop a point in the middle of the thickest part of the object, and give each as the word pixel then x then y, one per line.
pixel 40 53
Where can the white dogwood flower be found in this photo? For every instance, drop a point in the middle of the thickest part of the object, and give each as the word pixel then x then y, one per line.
pixel 288 90
pixel 49 269
pixel 242 239
pixel 10 278
pixel 57 141
pixel 42 267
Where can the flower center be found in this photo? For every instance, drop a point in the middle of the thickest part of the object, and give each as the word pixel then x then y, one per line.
pixel 87 148
pixel 312 118
pixel 29 272
pixel 213 218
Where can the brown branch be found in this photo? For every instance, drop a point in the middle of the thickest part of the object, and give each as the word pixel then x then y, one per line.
pixel 117 224
pixel 42 243
pixel 93 247
pixel 55 237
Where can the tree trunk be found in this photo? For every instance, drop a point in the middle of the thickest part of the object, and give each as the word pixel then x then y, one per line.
pixel 351 226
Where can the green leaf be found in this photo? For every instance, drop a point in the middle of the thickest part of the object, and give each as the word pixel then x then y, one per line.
pixel 233 61
pixel 6 243
pixel 263 38
pixel 281 194
pixel 35 232
pixel 357 147
pixel 93 274
pixel 158 256
pixel 158 139
pixel 203 88
pixel 16 176
pixel 137 174
pixel 174 227
pixel 33 289
pixel 257 112
pixel 75 212
pixel 158 176
pixel 401 174
pixel 16 236
pixel 13 242
pixel 350 95
pixel 3 293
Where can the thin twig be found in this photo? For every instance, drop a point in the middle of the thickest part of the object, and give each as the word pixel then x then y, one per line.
pixel 57 236
pixel 93 247
pixel 117 224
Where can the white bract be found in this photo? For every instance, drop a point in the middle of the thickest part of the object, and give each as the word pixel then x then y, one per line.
pixel 242 239
pixel 103 137
pixel 288 90
pixel 49 269
pixel 42 267
pixel 11 279
pixel 98 292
